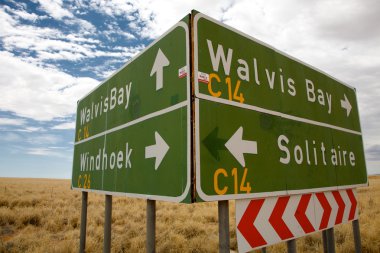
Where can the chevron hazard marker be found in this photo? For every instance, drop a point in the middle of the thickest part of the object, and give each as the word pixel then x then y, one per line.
pixel 263 222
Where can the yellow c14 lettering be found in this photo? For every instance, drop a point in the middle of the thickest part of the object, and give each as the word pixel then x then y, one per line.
pixel 83 134
pixel 232 96
pixel 244 186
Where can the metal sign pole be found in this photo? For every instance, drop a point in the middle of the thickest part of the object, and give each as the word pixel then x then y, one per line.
pixel 324 240
pixel 356 231
pixel 83 223
pixel 224 227
pixel 330 240
pixel 107 224
pixel 150 226
pixel 292 246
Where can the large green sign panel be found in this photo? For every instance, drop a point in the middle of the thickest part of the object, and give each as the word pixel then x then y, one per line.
pixel 133 130
pixel 233 119
pixel 266 124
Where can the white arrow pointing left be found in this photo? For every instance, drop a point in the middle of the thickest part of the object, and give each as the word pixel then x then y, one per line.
pixel 160 62
pixel 237 146
pixel 346 105
pixel 157 150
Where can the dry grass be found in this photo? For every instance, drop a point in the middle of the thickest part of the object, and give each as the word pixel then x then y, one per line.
pixel 42 215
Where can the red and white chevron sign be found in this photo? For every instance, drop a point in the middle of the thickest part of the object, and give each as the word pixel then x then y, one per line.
pixel 262 222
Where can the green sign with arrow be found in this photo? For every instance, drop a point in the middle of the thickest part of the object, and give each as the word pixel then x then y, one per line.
pixel 133 130
pixel 267 124
pixel 234 119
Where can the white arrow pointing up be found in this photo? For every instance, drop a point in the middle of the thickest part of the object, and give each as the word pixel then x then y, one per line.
pixel 158 68
pixel 157 150
pixel 237 146
pixel 346 105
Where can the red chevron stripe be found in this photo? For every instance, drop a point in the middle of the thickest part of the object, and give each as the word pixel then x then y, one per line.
pixel 276 220
pixel 341 206
pixel 247 227
pixel 301 214
pixel 326 210
pixel 354 203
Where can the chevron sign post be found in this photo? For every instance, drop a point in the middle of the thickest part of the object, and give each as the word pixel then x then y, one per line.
pixel 263 222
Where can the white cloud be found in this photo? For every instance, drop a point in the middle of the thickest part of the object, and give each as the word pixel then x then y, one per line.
pixel 54 8
pixel 39 93
pixel 22 14
pixel 12 122
pixel 52 44
pixel 43 139
pixel 43 152
pixel 151 18
pixel 10 137
pixel 31 129
pixel 64 126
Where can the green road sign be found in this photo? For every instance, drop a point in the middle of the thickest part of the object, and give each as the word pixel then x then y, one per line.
pixel 133 130
pixel 267 124
pixel 245 120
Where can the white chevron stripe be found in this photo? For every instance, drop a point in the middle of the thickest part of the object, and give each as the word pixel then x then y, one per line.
pixel 240 207
pixel 334 206
pixel 347 204
pixel 318 210
pixel 310 211
pixel 357 206
pixel 262 221
pixel 289 215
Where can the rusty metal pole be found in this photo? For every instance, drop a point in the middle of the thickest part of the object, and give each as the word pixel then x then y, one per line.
pixel 107 224
pixel 224 227
pixel 356 231
pixel 150 226
pixel 292 246
pixel 83 223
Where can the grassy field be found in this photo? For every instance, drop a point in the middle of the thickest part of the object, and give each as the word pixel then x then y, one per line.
pixel 42 215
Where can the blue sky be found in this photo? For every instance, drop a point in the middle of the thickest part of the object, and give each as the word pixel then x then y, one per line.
pixel 53 52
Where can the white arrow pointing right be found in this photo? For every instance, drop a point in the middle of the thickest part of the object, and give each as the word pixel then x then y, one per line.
pixel 346 105
pixel 237 146
pixel 160 62
pixel 157 150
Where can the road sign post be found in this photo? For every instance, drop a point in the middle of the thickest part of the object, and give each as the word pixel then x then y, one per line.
pixel 330 240
pixel 224 226
pixel 107 224
pixel 356 232
pixel 150 226
pixel 292 247
pixel 83 223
